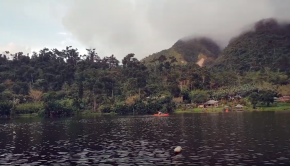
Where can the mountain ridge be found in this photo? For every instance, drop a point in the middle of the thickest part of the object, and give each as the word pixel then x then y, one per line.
pixel 201 50
pixel 267 46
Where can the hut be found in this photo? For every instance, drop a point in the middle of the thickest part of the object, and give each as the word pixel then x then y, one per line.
pixel 239 107
pixel 211 103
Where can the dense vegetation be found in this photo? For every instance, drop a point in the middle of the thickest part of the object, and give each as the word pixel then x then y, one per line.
pixel 267 46
pixel 63 82
pixel 56 83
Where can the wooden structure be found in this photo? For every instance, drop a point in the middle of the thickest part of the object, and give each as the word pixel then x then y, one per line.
pixel 211 103
pixel 239 107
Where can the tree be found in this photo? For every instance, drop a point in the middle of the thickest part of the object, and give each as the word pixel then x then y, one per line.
pixel 80 89
pixel 175 90
pixel 36 95
pixel 162 58
pixel 254 98
pixel 267 96
pixel 93 56
pixel 2 88
pixel 185 95
pixel 198 96
pixel 127 60
pixel 284 90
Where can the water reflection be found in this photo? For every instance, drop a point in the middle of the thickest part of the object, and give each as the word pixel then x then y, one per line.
pixel 224 138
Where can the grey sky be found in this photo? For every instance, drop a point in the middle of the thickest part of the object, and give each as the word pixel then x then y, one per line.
pixel 120 27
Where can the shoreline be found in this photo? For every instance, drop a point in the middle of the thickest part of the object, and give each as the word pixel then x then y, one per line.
pixel 177 111
pixel 218 110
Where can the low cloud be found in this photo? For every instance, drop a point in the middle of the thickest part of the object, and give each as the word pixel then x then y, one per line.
pixel 147 26
pixel 64 34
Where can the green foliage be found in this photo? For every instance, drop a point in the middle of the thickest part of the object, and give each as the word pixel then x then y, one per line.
pixel 267 96
pixel 29 108
pixel 2 88
pixel 258 49
pixel 254 98
pixel 20 88
pixel 6 95
pixel 65 107
pixel 121 109
pixel 199 96
pixel 5 108
pixel 67 103
pixel 105 109
pixel 175 90
pixel 186 96
pixel 144 107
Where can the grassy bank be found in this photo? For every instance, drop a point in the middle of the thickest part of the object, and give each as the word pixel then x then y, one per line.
pixel 273 107
pixel 35 110
pixel 90 113
pixel 199 110
pixel 27 115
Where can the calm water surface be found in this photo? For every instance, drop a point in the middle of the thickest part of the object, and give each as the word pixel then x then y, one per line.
pixel 261 138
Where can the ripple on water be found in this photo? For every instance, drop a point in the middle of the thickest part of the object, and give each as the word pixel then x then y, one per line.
pixel 220 139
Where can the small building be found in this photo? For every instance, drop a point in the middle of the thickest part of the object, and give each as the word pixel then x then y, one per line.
pixel 211 103
pixel 239 107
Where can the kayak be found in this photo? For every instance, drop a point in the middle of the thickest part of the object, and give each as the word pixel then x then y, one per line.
pixel 161 115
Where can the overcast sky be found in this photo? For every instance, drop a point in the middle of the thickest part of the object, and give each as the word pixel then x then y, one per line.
pixel 120 27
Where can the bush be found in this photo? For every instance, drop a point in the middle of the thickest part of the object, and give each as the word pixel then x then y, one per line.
pixel 2 88
pixel 6 95
pixel 29 108
pixel 53 96
pixel 140 108
pixel 199 96
pixel 59 107
pixel 169 107
pixel 153 107
pixel 121 109
pixel 105 109
pixel 66 103
pixel 5 108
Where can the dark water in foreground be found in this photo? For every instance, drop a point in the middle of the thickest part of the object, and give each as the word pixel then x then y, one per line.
pixel 261 138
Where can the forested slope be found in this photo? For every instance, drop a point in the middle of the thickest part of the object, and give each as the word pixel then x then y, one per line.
pixel 267 46
pixel 189 50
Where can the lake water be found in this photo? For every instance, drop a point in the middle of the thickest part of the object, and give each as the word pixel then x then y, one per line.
pixel 253 138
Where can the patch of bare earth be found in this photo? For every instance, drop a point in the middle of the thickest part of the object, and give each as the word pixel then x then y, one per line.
pixel 200 62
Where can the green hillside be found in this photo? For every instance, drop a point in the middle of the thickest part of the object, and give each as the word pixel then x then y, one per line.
pixel 267 47
pixel 202 50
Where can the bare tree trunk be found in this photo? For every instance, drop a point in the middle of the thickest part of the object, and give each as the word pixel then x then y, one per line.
pixel 191 86
pixel 112 90
pixel 94 102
